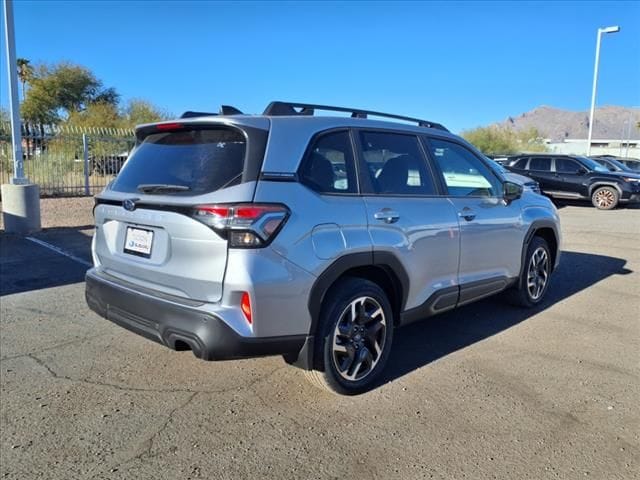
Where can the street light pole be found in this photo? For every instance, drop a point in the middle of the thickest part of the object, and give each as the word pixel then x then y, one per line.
pixel 14 105
pixel 613 29
pixel 624 126
pixel 626 154
pixel 20 199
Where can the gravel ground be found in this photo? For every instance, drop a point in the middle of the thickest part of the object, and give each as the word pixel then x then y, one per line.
pixel 485 392
pixel 63 212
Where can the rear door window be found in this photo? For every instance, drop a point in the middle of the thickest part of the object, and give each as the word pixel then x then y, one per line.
pixel 395 164
pixel 520 163
pixel 328 166
pixel 566 165
pixel 188 162
pixel 540 164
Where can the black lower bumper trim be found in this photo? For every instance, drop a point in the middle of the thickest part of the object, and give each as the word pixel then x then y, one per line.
pixel 177 326
pixel 635 198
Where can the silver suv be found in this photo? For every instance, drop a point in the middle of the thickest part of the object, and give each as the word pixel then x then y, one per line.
pixel 311 237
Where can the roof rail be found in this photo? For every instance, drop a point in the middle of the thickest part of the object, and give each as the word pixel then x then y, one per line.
pixel 224 110
pixel 307 109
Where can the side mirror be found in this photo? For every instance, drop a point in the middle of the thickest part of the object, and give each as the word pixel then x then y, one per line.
pixel 582 171
pixel 512 191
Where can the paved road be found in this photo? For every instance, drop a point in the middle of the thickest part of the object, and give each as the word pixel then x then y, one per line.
pixel 489 391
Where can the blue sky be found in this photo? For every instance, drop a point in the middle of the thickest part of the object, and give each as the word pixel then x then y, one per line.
pixel 462 64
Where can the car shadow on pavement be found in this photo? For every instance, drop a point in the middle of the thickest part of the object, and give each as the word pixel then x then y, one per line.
pixel 26 265
pixel 423 342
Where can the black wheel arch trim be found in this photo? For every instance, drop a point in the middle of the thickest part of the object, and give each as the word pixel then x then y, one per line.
pixel 596 185
pixel 385 260
pixel 348 262
pixel 533 228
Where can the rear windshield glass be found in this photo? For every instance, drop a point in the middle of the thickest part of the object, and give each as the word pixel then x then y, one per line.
pixel 187 162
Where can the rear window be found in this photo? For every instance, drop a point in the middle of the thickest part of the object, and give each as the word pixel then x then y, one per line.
pixel 196 160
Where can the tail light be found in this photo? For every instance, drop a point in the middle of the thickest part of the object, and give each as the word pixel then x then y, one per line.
pixel 247 225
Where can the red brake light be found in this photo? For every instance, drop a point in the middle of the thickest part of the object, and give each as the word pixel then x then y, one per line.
pixel 169 126
pixel 245 305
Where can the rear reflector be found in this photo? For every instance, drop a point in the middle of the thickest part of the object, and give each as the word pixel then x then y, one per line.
pixel 245 305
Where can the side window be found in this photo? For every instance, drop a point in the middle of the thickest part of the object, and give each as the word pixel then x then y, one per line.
pixel 566 165
pixel 540 164
pixel 609 166
pixel 329 166
pixel 395 164
pixel 463 172
pixel 520 164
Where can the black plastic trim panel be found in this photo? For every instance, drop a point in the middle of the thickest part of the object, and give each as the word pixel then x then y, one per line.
pixel 457 296
pixel 175 325
pixel 183 209
pixel 348 262
pixel 533 228
pixel 484 288
pixel 440 301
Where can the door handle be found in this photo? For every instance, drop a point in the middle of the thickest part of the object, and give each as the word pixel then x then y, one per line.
pixel 467 214
pixel 388 215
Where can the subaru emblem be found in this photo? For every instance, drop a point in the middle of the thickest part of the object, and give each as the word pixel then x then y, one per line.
pixel 129 204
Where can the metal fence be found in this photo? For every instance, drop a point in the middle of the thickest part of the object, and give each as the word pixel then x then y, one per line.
pixel 67 161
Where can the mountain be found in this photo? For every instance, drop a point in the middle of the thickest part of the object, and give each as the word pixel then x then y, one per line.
pixel 611 122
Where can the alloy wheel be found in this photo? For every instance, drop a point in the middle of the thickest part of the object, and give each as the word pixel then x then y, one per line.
pixel 359 338
pixel 538 273
pixel 604 198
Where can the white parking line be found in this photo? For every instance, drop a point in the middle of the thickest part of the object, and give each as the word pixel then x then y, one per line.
pixel 60 251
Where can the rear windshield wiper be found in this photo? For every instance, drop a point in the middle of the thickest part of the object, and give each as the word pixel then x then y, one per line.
pixel 161 188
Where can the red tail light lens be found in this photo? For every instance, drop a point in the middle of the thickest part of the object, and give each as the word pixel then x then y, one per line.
pixel 248 225
pixel 245 305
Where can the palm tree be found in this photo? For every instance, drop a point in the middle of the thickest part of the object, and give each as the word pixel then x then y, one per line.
pixel 25 72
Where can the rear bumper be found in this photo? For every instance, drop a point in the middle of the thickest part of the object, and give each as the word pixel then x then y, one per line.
pixel 178 325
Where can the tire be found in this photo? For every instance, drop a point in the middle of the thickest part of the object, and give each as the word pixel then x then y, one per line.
pixel 605 198
pixel 533 284
pixel 350 353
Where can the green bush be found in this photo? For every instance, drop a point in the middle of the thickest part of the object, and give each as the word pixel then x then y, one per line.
pixel 498 140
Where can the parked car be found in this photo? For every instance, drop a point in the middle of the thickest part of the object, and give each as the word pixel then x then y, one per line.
pixel 632 163
pixel 618 164
pixel 526 182
pixel 108 164
pixel 311 237
pixel 500 159
pixel 578 178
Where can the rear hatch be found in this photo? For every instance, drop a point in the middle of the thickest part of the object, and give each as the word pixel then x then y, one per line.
pixel 146 233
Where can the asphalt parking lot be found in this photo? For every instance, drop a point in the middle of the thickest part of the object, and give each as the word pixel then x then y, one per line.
pixel 488 391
